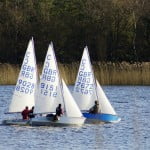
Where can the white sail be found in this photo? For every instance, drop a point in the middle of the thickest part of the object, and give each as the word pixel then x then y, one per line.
pixel 87 89
pixel 105 106
pixel 71 108
pixel 84 86
pixel 49 88
pixel 24 93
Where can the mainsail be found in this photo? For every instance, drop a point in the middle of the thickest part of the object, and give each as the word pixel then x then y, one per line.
pixel 49 88
pixel 25 89
pixel 84 86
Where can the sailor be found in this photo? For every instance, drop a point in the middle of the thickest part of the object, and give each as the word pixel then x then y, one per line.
pixel 31 115
pixel 25 113
pixel 95 108
pixel 59 112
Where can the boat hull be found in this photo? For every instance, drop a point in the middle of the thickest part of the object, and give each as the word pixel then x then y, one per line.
pixel 19 122
pixel 98 118
pixel 62 121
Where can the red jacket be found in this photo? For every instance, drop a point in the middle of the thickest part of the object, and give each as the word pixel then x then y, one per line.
pixel 25 114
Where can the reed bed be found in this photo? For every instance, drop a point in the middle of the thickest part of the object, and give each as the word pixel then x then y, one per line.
pixel 107 73
pixel 8 73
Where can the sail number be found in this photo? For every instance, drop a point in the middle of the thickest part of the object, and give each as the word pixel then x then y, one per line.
pixel 27 70
pixel 84 88
pixel 27 74
pixel 25 87
pixel 84 84
pixel 48 90
pixel 48 73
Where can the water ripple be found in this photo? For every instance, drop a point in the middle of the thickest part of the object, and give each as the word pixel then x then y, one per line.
pixel 131 133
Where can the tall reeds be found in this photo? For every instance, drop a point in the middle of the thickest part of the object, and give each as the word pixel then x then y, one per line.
pixel 123 73
pixel 107 73
pixel 8 73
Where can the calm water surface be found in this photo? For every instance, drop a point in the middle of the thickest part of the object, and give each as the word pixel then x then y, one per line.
pixel 132 103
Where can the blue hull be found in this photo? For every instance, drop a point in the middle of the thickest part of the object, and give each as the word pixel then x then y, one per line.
pixel 108 118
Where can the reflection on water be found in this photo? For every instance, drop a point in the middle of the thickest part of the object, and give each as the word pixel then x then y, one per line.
pixel 132 132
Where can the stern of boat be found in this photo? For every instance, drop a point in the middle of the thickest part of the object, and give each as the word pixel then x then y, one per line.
pixel 97 118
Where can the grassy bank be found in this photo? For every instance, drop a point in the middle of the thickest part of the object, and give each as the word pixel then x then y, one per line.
pixel 107 73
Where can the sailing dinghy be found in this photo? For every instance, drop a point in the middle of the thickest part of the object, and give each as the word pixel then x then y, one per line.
pixel 87 89
pixel 51 92
pixel 25 89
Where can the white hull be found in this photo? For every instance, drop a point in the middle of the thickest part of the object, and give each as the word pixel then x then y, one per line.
pixel 62 121
pixel 19 122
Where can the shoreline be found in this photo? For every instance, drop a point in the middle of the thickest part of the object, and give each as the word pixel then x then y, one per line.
pixel 107 73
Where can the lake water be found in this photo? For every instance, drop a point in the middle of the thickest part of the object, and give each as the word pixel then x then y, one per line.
pixel 132 103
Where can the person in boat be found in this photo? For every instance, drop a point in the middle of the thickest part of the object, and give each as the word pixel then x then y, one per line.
pixel 25 113
pixel 59 112
pixel 31 115
pixel 95 108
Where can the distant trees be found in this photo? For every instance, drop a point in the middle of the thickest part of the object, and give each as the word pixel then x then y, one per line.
pixel 114 30
pixel 121 25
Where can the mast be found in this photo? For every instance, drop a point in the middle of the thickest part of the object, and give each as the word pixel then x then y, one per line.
pixel 60 81
pixel 36 86
pixel 92 72
pixel 95 83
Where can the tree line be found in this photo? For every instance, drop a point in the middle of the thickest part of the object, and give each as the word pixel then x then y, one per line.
pixel 113 30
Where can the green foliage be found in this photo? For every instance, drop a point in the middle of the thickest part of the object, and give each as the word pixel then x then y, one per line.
pixel 114 30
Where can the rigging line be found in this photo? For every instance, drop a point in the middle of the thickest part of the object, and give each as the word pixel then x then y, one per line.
pixel 95 83
pixel 60 79
pixel 92 73
pixel 37 83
